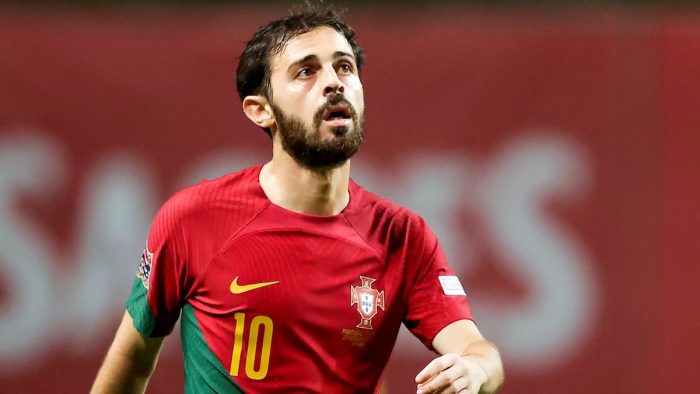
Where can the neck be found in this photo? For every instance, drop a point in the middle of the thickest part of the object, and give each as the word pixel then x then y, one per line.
pixel 310 191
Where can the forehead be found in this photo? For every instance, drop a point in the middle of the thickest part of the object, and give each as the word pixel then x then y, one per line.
pixel 322 42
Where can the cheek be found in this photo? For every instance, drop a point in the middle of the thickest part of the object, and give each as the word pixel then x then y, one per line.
pixel 359 95
pixel 293 98
pixel 353 84
pixel 297 89
pixel 299 97
pixel 290 91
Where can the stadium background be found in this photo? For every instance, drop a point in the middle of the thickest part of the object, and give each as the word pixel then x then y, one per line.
pixel 554 150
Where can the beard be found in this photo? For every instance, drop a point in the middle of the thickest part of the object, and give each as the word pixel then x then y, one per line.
pixel 309 148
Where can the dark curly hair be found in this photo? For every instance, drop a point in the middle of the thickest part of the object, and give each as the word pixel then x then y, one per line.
pixel 253 73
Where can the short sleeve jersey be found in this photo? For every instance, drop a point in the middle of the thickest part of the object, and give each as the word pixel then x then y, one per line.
pixel 277 301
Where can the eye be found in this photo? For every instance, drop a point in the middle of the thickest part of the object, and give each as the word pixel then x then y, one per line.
pixel 345 68
pixel 304 72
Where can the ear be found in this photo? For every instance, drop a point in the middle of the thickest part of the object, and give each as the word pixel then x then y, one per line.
pixel 258 110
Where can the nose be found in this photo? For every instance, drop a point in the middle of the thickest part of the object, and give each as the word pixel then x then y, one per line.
pixel 333 84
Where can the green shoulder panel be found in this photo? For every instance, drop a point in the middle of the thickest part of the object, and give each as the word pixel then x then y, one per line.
pixel 203 371
pixel 139 309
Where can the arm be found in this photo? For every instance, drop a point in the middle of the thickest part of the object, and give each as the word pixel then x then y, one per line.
pixel 468 362
pixel 129 363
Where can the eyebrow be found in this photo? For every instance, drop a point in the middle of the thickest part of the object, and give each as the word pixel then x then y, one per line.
pixel 336 55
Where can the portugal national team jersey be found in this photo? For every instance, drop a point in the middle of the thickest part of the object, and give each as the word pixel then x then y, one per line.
pixel 277 301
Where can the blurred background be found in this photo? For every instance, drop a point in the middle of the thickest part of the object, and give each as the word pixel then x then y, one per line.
pixel 554 149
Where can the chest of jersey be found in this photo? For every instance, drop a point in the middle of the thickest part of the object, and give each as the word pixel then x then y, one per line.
pixel 277 299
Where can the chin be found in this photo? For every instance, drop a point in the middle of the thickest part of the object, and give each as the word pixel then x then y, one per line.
pixel 329 133
pixel 340 130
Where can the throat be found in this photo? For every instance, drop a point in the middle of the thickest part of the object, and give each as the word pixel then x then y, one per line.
pixel 306 191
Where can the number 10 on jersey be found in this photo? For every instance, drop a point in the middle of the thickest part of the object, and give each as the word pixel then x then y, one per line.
pixel 257 324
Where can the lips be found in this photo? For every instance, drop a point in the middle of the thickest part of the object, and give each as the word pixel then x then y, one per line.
pixel 337 112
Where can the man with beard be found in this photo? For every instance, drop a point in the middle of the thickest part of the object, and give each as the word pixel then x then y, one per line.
pixel 290 277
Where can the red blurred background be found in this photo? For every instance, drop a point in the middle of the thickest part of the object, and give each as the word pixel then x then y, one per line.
pixel 555 154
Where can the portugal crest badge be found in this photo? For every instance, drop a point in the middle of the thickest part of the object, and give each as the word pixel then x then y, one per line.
pixel 368 301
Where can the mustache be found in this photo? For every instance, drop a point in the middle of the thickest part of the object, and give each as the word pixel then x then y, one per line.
pixel 334 99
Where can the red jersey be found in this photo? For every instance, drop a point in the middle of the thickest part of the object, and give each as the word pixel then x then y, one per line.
pixel 277 301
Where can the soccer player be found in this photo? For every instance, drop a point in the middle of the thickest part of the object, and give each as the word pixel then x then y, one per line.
pixel 288 276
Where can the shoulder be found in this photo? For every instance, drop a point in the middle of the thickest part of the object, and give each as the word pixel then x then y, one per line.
pixel 231 195
pixel 382 213
pixel 236 188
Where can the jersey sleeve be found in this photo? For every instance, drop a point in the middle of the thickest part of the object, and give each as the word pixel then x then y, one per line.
pixel 157 293
pixel 436 298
